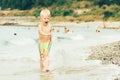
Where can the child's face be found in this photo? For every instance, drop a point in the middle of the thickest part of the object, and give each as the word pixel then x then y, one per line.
pixel 45 18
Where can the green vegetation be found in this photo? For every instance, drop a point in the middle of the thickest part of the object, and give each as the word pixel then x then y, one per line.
pixel 65 10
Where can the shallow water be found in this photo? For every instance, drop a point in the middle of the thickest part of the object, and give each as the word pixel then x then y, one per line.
pixel 19 54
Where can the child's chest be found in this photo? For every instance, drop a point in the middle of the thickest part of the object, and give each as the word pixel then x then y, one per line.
pixel 46 29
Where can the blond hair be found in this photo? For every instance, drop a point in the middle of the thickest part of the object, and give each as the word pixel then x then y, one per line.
pixel 45 11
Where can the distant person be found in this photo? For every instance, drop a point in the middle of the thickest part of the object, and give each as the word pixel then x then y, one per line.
pixel 97 30
pixel 58 30
pixel 53 29
pixel 45 35
pixel 66 30
pixel 15 33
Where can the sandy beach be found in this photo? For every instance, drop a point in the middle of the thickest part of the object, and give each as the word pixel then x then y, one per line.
pixel 107 53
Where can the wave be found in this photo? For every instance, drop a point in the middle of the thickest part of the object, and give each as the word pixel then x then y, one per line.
pixel 76 37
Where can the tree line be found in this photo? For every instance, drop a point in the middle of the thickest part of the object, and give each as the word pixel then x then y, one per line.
pixel 28 4
pixel 106 2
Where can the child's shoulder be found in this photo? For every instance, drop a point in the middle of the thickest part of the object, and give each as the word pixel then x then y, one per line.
pixel 39 24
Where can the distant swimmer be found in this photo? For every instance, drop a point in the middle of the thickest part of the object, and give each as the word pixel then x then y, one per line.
pixel 66 30
pixel 97 30
pixel 53 29
pixel 15 33
pixel 58 30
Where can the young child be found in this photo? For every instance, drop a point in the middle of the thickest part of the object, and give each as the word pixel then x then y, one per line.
pixel 45 36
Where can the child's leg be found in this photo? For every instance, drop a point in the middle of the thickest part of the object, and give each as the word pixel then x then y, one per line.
pixel 41 50
pixel 46 60
pixel 46 53
pixel 41 62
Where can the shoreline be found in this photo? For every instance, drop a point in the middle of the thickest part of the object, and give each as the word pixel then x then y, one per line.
pixel 108 53
pixel 33 22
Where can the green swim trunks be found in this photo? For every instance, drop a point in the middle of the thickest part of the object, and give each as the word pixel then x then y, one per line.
pixel 44 46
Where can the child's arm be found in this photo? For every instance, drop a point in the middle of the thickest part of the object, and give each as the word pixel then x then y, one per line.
pixel 51 36
pixel 42 32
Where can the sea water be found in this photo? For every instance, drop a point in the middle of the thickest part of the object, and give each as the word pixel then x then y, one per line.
pixel 19 53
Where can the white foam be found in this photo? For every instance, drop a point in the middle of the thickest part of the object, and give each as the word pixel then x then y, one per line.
pixel 77 37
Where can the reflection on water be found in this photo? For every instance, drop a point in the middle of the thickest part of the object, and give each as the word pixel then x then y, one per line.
pixel 45 77
pixel 19 54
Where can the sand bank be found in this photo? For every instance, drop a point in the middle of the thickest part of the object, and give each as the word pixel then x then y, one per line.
pixel 107 53
pixel 33 21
